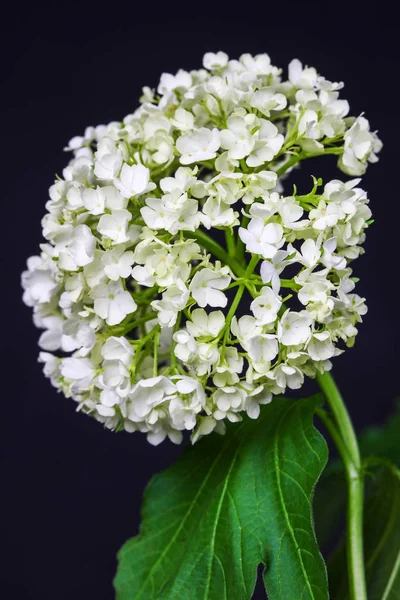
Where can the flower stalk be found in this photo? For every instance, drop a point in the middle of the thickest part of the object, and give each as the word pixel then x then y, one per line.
pixel 344 437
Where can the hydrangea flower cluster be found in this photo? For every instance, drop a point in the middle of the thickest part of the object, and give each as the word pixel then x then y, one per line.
pixel 163 326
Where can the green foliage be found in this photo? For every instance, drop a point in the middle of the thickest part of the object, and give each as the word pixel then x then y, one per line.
pixel 384 441
pixel 329 506
pixel 381 541
pixel 378 444
pixel 229 504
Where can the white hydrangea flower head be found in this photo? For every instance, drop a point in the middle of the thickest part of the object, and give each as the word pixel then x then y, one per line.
pixel 180 285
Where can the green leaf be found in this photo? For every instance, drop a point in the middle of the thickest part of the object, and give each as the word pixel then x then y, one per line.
pixel 381 541
pixel 329 506
pixel 383 441
pixel 230 503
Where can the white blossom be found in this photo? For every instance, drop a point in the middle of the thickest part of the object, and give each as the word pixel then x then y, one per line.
pixel 112 303
pixel 260 238
pixel 304 78
pixel 174 299
pixel 133 180
pixel 321 346
pixel 360 146
pixel 82 245
pixel 245 329
pixel 117 263
pixel 79 371
pixel 285 375
pixel 271 269
pixel 198 146
pixel 187 403
pixel 229 402
pixel 115 226
pixel 181 284
pixel 206 287
pixel 117 348
pixel 39 286
pixel 168 82
pixel 263 348
pixel 213 60
pixel 94 200
pixel 237 138
pixel 205 325
pixel 255 398
pixel 266 100
pixel 294 328
pixel 266 306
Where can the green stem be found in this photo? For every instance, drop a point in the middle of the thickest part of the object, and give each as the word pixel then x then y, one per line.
pixel 139 354
pixel 232 310
pixel 177 325
pixel 290 163
pixel 218 251
pixel 230 242
pixel 301 156
pixel 240 245
pixel 231 313
pixel 341 415
pixel 115 330
pixel 334 433
pixel 252 265
pixel 155 358
pixel 235 303
pixel 345 438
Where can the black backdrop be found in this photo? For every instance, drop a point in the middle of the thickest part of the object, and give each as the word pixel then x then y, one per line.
pixel 72 489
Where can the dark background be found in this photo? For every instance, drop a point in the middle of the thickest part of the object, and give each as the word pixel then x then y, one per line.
pixel 73 490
